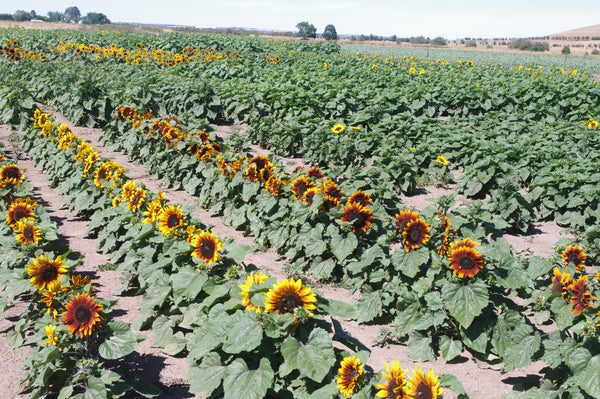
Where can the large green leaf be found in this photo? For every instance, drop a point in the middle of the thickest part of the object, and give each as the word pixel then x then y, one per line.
pixel 450 348
pixel 241 382
pixel 369 306
pixel 121 342
pixel 521 354
pixel 244 334
pixel 187 283
pixel 420 347
pixel 206 377
pixel 314 358
pixel 589 379
pixel 95 389
pixel 465 301
pixel 342 247
pixel 409 262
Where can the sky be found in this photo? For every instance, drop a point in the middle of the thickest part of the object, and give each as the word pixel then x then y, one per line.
pixel 451 19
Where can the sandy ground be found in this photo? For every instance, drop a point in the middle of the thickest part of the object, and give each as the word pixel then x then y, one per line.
pixel 168 372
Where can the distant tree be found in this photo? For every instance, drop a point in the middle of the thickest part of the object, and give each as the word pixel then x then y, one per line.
pixel 55 16
pixel 72 14
pixel 306 30
pixel 330 33
pixel 33 14
pixel 95 18
pixel 21 15
pixel 439 41
pixel 6 17
pixel 566 50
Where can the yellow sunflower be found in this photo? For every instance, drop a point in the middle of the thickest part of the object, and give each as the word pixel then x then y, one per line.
pixel 49 330
pixel 575 254
pixel 415 234
pixel 338 128
pixel 27 232
pixel 128 189
pixel 206 247
pixel 299 187
pixel 464 258
pixel 49 296
pixel 254 277
pixel 286 295
pixel 18 211
pixel 421 386
pixel 394 382
pixel 136 200
pixel 442 160
pixel 560 282
pixel 349 375
pixel 11 174
pixel 152 211
pixel 44 271
pixel 170 219
pixel 82 315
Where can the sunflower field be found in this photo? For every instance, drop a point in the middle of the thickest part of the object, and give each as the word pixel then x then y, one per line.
pixel 518 142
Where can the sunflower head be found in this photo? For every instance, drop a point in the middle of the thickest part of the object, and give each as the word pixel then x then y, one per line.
pixel 580 295
pixel 49 330
pixel 11 174
pixel 128 189
pixel 404 218
pixel 206 247
pixel 360 216
pixel 314 172
pixel 394 382
pixel 560 282
pixel 361 198
pixel 260 161
pixel 415 234
pixel 299 187
pixel 137 199
pixel 82 315
pixel 44 271
pixel 442 160
pixel 170 219
pixel 17 212
pixel 464 258
pixel 287 295
pixel 251 173
pixel 421 386
pixel 27 232
pixel 574 254
pixel 252 278
pixel 350 375
pixel 338 128
pixel 273 185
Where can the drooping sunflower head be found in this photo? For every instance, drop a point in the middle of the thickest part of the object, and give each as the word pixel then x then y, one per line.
pixel 43 271
pixel 349 375
pixel 11 174
pixel 18 211
pixel 580 295
pixel 404 218
pixel 464 258
pixel 560 282
pixel 331 190
pixel 360 197
pixel 49 330
pixel 574 254
pixel 152 211
pixel 394 382
pixel 82 315
pixel 27 232
pixel 421 386
pixel 314 172
pixel 252 278
pixel 128 189
pixel 287 295
pixel 360 216
pixel 338 128
pixel 415 234
pixel 266 172
pixel 207 247
pixel 309 195
pixel 116 201
pixel 299 187
pixel 170 219
pixel 49 296
pixel 137 199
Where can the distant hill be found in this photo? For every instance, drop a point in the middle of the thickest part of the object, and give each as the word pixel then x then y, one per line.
pixel 587 33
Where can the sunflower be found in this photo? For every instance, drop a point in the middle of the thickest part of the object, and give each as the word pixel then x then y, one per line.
pixel 415 234
pixel 102 173
pixel 404 218
pixel 421 386
pixel 560 282
pixel 116 201
pixel 260 161
pixel 273 185
pixel 580 295
pixel 11 174
pixel 258 278
pixel 331 191
pixel 360 197
pixel 315 172
pixel 152 211
pixel 170 219
pixel 49 296
pixel 442 160
pixel 27 232
pixel 575 254
pixel 49 330
pixel 90 161
pixel 82 314
pixel 206 247
pixel 44 270
pixel 251 173
pixel 79 280
pixel 128 189
pixel 265 173
pixel 310 194
pixel 466 261
pixel 136 200
pixel 360 217
pixel 350 373
pixel 338 128
pixel 299 187
pixel 287 295
pixel 394 382
pixel 191 232
pixel 18 211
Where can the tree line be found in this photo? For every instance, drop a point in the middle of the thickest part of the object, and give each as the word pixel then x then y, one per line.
pixel 70 15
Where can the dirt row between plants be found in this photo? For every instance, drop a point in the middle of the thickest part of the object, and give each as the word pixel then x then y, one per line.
pixel 168 372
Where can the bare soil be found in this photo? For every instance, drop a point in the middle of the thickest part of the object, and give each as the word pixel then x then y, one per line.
pixel 168 372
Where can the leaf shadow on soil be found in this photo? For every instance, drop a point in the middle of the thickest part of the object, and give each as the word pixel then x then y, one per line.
pixel 522 383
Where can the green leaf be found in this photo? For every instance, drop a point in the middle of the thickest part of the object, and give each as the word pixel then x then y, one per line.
pixel 238 251
pixel 563 315
pixel 121 342
pixel 240 382
pixel 314 358
pixel 369 306
pixel 95 389
pixel 245 333
pixel 450 348
pixel 589 379
pixel 409 262
pixel 343 247
pixel 145 388
pixel 322 269
pixel 334 308
pixel 187 283
pixel 206 377
pixel 451 382
pixel 420 347
pixel 465 301
pixel 521 353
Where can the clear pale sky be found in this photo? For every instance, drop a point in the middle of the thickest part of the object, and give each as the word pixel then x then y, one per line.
pixel 450 19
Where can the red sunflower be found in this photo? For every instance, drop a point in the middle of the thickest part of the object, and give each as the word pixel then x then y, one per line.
pixel 466 261
pixel 575 254
pixel 82 315
pixel 580 295
pixel 360 216
pixel 415 234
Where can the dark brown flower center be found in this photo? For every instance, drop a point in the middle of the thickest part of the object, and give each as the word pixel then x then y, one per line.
pixel 207 249
pixel 11 172
pixel 82 314
pixel 465 262
pixel 172 221
pixel 20 214
pixel 102 173
pixel 415 234
pixel 288 302
pixel 28 233
pixel 573 258
pixel 423 391
pixel 390 390
pixel 48 272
